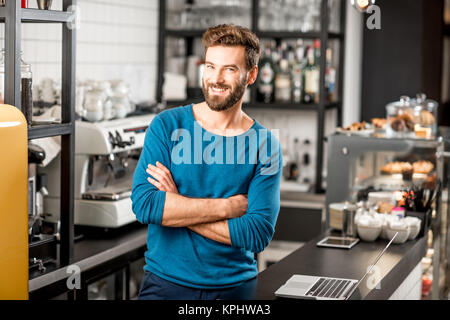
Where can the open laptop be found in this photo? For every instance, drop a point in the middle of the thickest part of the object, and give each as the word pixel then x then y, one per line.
pixel 324 288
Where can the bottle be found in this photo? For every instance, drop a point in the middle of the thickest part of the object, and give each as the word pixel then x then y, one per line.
pixel 265 92
pixel 26 89
pixel 311 75
pixel 293 171
pixel 330 77
pixel 283 82
pixel 297 74
pixel 26 86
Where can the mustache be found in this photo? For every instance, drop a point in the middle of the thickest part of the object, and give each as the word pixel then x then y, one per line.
pixel 216 85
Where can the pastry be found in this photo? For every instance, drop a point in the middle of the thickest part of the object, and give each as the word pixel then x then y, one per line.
pixel 385 207
pixel 426 118
pixel 356 126
pixel 423 166
pixel 396 167
pixel 379 123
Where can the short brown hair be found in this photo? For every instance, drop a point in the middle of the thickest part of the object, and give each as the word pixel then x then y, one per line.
pixel 231 35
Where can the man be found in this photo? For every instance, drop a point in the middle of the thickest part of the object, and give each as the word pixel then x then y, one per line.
pixel 207 182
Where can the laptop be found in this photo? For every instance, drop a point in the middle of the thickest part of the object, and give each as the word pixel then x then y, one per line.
pixel 324 288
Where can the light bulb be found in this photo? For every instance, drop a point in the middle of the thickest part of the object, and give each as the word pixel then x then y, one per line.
pixel 362 5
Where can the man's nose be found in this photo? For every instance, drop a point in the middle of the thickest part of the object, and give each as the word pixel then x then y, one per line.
pixel 217 76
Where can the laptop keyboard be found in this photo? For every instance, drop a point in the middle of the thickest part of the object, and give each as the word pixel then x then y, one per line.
pixel 328 288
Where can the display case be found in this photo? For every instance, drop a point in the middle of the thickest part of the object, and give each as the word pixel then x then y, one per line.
pixel 359 164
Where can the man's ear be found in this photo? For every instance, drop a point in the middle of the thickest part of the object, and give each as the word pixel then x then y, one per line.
pixel 252 75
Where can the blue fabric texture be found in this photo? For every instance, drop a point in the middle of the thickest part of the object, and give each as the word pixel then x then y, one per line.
pixel 206 165
pixel 156 288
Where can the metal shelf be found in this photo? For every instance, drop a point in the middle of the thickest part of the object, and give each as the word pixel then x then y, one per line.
pixel 283 106
pixel 184 33
pixel 288 34
pixel 13 16
pixel 260 34
pixel 40 16
pixel 49 130
pixel 261 105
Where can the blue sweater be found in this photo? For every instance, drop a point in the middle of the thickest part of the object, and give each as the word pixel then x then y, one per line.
pixel 206 165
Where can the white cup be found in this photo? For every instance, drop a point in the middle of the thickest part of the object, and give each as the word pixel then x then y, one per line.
pixel 94 116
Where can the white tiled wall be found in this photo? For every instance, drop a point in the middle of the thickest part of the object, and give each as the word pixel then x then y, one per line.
pixel 116 39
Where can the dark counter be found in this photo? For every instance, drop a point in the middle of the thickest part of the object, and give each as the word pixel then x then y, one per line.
pixel 394 266
pixel 94 253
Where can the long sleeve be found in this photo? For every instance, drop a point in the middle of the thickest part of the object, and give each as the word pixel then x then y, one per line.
pixel 254 230
pixel 147 200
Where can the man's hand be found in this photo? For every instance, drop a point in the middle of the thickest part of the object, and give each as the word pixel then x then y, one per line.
pixel 165 181
pixel 237 205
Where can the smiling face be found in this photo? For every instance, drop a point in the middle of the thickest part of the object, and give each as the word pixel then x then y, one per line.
pixel 225 77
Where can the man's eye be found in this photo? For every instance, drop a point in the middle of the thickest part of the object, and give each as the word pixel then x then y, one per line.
pixel 230 69
pixel 209 66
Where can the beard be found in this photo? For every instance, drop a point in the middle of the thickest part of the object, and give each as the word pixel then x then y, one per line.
pixel 217 103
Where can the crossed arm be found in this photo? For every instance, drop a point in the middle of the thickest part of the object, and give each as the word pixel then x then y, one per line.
pixel 207 217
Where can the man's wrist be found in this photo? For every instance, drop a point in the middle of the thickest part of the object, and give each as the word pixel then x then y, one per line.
pixel 225 209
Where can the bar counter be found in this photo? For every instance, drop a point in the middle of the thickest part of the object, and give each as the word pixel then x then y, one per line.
pixel 394 266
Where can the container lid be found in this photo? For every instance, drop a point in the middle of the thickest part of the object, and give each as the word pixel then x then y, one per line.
pixel 404 102
pixel 422 101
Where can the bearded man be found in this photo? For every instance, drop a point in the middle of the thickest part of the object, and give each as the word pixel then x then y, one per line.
pixel 207 182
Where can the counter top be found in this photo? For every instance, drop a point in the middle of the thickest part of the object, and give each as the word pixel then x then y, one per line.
pixel 94 250
pixel 394 266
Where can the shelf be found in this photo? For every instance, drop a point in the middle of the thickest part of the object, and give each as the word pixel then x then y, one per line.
pixel 36 15
pixel 333 105
pixel 49 130
pixel 288 34
pixel 184 33
pixel 260 105
pixel 260 34
pixel 335 35
pixel 282 105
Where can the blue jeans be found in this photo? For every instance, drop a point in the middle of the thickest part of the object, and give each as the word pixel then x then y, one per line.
pixel 156 288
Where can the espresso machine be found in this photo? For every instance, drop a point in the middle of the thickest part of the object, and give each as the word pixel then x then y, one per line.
pixel 106 155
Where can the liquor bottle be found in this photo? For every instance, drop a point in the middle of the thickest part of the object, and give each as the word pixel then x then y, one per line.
pixel 283 81
pixel 297 73
pixel 292 171
pixel 265 92
pixel 311 76
pixel 330 77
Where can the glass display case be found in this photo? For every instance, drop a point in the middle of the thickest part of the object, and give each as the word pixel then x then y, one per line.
pixel 361 165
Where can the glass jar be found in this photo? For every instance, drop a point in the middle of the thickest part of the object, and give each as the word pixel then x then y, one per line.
pixel 26 85
pixel 401 118
pixel 426 113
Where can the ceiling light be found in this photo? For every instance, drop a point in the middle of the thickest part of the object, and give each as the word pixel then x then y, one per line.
pixel 362 5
